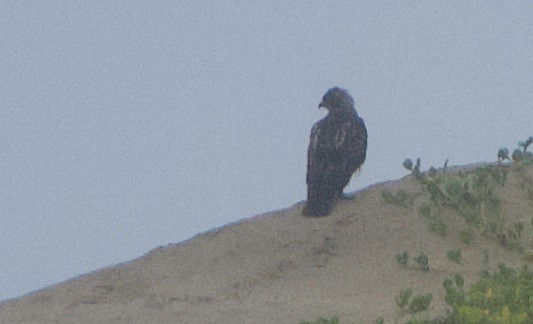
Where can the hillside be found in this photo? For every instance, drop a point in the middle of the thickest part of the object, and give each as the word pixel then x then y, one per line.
pixel 281 267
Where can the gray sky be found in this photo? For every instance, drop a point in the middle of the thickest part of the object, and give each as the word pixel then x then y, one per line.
pixel 125 125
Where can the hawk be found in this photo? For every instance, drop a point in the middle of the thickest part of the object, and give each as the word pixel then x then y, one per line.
pixel 337 148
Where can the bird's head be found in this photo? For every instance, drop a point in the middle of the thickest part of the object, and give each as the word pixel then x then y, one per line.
pixel 336 99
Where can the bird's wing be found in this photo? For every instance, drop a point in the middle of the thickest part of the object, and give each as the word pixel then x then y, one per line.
pixel 316 154
pixel 350 145
pixel 339 153
pixel 359 142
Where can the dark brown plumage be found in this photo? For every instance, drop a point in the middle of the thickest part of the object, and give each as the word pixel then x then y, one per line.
pixel 337 148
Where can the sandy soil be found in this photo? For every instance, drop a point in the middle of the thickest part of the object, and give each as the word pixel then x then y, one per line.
pixel 278 267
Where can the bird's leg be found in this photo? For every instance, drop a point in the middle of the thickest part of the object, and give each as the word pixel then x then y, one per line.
pixel 342 196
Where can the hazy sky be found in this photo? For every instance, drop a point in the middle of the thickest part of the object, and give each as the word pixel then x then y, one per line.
pixel 125 125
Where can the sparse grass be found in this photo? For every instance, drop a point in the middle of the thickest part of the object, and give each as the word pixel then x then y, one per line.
pixel 420 303
pixel 503 296
pixel 518 228
pixel 324 251
pixel 454 255
pixel 466 236
pixel 421 260
pixel 403 298
pixel 425 210
pixel 473 195
pixel 322 320
pixel 402 259
pixel 401 198
pixel 438 226
pixel 407 305
pixel 485 264
pixel 513 239
pixel 434 217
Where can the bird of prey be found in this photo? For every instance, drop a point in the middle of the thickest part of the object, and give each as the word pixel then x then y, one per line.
pixel 337 148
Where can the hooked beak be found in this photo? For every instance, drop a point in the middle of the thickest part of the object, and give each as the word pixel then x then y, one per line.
pixel 320 105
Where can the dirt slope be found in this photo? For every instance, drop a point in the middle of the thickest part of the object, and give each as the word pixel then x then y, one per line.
pixel 282 268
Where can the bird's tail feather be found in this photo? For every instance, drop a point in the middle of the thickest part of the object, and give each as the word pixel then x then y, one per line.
pixel 319 201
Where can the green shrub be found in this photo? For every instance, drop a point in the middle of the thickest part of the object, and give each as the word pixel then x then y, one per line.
pixel 466 236
pixel 501 297
pixel 407 305
pixel 420 303
pixel 471 195
pixel 454 255
pixel 402 259
pixel 422 261
pixel 403 298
